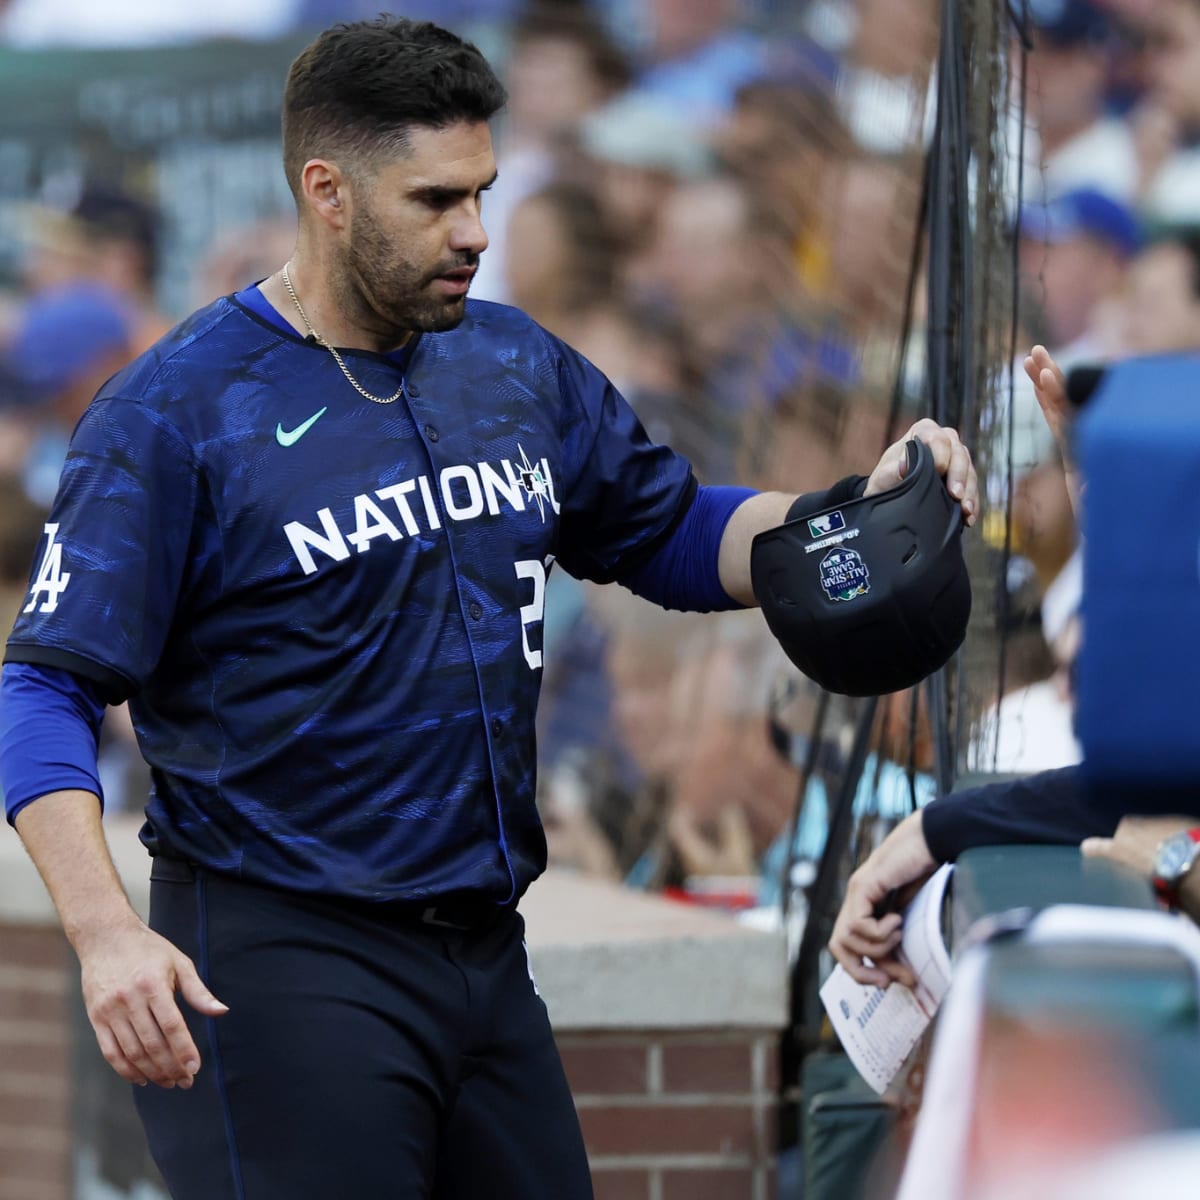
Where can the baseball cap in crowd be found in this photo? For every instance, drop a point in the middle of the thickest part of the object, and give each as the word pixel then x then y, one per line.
pixel 637 130
pixel 1066 23
pixel 1082 212
pixel 61 335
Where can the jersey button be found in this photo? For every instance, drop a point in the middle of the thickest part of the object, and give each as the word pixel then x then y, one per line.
pixel 497 726
pixel 412 389
pixel 431 433
pixel 475 611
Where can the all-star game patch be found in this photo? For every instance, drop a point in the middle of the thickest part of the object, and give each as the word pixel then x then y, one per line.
pixel 844 575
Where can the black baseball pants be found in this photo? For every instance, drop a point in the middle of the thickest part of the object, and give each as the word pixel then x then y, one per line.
pixel 370 1053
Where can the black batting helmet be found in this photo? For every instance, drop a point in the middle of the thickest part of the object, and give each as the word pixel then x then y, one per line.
pixel 872 596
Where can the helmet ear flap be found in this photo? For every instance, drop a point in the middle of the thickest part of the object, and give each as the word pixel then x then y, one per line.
pixel 872 596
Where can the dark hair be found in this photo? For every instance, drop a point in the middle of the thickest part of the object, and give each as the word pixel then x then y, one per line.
pixel 110 212
pixel 359 88
pixel 807 111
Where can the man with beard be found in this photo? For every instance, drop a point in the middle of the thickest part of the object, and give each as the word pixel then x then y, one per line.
pixel 307 536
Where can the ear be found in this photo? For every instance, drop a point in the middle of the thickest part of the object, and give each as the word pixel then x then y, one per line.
pixel 326 192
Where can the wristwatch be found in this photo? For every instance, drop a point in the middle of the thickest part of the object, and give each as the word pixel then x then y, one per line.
pixel 1173 859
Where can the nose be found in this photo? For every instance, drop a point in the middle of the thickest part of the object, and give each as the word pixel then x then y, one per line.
pixel 468 233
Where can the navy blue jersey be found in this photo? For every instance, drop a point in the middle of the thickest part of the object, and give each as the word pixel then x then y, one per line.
pixel 326 612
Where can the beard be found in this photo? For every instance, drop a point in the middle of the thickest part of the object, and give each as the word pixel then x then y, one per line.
pixel 394 296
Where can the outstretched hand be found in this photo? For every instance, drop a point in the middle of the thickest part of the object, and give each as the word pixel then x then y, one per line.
pixel 1050 387
pixel 952 458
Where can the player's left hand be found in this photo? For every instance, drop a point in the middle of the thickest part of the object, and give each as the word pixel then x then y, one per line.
pixel 953 461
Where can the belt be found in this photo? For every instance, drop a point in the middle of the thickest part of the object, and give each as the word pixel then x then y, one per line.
pixel 461 911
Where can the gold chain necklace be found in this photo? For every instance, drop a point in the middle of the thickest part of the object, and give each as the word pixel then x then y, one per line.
pixel 358 387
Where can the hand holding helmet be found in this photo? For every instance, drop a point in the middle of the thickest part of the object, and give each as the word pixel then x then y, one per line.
pixel 873 595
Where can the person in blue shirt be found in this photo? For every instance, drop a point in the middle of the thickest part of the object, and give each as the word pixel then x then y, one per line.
pixel 307 536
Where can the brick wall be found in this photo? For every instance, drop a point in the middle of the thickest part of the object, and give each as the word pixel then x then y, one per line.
pixel 666 1115
pixel 35 1055
pixel 676 1116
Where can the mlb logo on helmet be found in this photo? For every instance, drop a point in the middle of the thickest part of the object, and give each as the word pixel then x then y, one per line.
pixel 826 524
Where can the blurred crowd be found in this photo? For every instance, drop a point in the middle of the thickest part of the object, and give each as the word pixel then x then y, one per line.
pixel 717 203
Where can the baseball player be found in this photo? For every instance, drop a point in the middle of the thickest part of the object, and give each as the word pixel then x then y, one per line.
pixel 307 536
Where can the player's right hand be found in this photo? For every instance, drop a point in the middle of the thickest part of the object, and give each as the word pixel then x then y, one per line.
pixel 130 977
pixel 902 859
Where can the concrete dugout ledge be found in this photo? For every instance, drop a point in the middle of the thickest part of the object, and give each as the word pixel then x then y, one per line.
pixel 605 957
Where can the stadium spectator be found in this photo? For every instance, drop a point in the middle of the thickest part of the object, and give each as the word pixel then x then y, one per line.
pixel 1075 254
pixel 67 342
pixel 1162 307
pixel 562 66
pixel 1072 142
pixel 1032 727
pixel 108 236
pixel 883 796
pixel 875 219
pixel 785 141
pixel 1173 31
pixel 243 255
pixel 720 294
pixel 731 791
pixel 883 88
pixel 560 260
pixel 1043 522
pixel 698 57
pixel 635 156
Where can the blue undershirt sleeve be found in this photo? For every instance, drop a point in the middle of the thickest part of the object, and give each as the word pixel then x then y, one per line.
pixel 49 733
pixel 682 573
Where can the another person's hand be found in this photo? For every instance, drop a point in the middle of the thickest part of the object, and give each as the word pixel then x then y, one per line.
pixel 1136 840
pixel 952 458
pixel 725 848
pixel 1136 843
pixel 130 977
pixel 902 859
pixel 1050 387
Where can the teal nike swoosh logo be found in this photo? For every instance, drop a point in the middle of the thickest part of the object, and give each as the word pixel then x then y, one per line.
pixel 289 437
